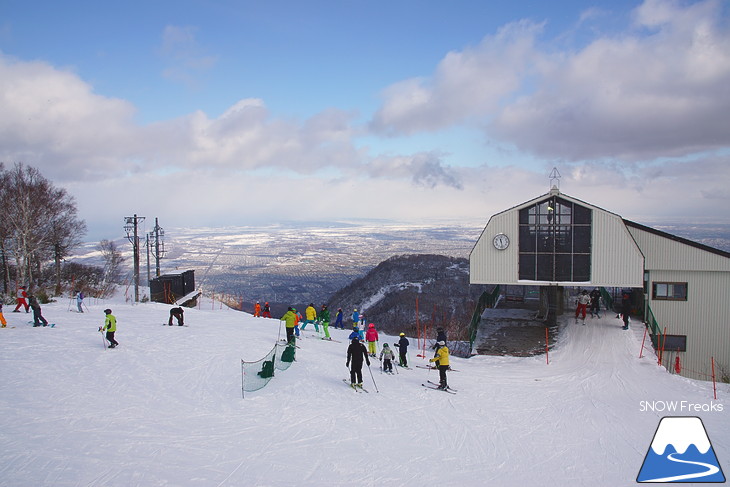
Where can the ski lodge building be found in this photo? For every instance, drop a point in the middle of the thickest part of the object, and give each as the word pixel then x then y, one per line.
pixel 679 288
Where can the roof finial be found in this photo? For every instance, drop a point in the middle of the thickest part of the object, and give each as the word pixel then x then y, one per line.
pixel 555 181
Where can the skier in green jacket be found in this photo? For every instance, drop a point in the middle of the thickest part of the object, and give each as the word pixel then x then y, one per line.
pixel 110 327
pixel 324 318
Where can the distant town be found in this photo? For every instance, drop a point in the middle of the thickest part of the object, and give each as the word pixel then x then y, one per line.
pixel 303 262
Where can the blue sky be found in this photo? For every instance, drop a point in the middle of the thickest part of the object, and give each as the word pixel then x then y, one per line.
pixel 233 113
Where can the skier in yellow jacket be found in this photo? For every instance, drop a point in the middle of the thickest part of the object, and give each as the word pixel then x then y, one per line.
pixel 311 315
pixel 291 321
pixel 442 358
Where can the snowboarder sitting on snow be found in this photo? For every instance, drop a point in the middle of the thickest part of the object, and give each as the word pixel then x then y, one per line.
pixel 356 353
pixel 387 356
pixel 178 314
pixel 110 327
pixel 403 349
pixel 372 338
pixel 442 359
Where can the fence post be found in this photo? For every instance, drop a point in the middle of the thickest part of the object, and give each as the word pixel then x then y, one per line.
pixel 547 357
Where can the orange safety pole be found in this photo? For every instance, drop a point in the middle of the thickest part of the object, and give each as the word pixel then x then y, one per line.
pixel 714 384
pixel 641 352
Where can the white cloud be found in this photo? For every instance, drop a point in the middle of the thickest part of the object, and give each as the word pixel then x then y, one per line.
pixel 52 120
pixel 640 96
pixel 466 84
pixel 659 89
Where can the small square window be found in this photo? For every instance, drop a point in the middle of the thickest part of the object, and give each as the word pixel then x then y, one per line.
pixel 670 291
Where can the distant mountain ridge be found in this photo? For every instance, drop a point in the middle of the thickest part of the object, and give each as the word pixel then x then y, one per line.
pixel 387 294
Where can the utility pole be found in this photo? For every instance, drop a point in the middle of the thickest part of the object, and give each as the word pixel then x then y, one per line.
pixel 158 233
pixel 130 226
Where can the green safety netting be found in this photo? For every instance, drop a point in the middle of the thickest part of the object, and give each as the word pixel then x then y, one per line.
pixel 255 375
pixel 486 300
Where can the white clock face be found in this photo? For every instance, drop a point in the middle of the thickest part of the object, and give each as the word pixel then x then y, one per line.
pixel 501 241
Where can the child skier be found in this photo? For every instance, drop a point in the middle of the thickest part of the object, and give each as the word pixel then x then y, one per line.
pixel 442 358
pixel 371 336
pixel 403 349
pixel 355 333
pixel 110 327
pixel 2 318
pixel 356 353
pixel 387 356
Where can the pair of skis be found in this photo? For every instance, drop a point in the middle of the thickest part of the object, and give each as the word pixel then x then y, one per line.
pixel 434 386
pixel 356 388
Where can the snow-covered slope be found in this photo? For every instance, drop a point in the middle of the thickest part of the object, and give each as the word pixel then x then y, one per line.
pixel 165 408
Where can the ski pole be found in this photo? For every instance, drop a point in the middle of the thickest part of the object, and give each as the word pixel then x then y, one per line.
pixel 373 378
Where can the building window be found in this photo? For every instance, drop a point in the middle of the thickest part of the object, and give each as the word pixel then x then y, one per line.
pixel 555 241
pixel 671 291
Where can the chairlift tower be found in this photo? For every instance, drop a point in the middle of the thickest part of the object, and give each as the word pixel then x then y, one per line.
pixel 131 224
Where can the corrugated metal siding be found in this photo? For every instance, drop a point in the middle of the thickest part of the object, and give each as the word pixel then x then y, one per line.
pixel 616 259
pixel 704 318
pixel 488 265
pixel 664 253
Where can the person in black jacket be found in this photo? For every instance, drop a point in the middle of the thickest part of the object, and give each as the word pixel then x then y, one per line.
pixel 626 310
pixel 595 303
pixel 403 350
pixel 356 353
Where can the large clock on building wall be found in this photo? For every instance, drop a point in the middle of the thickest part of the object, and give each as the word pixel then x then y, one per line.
pixel 500 241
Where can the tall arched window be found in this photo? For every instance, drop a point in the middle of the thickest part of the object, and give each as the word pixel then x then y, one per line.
pixel 555 241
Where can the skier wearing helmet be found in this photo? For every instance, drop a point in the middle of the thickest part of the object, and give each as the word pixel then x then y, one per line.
pixel 403 350
pixel 442 359
pixel 371 336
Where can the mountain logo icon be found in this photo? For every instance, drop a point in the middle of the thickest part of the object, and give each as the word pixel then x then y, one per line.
pixel 680 452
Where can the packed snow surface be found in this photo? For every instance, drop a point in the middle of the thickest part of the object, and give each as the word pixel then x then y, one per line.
pixel 166 408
